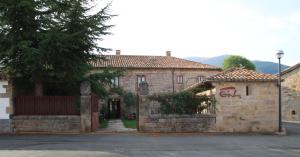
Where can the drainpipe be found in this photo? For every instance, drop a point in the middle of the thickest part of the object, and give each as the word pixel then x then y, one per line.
pixel 173 85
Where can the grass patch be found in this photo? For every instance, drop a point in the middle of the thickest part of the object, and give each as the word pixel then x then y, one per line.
pixel 129 123
pixel 103 123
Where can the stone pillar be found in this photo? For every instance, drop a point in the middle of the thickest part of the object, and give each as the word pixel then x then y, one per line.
pixel 143 91
pixel 85 107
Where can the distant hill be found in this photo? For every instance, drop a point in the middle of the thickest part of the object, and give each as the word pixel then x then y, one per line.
pixel 261 66
pixel 268 67
pixel 216 61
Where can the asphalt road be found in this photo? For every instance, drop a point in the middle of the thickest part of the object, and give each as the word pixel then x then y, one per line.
pixel 152 145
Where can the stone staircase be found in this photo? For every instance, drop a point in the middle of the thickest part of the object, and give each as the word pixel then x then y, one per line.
pixel 116 125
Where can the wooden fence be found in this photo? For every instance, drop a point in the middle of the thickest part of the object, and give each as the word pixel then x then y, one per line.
pixel 47 105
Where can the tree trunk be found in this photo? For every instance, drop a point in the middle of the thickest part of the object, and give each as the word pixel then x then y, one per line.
pixel 38 88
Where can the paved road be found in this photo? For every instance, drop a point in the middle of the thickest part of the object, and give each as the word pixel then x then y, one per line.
pixel 134 145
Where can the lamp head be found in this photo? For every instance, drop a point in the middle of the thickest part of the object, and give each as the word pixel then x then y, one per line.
pixel 279 54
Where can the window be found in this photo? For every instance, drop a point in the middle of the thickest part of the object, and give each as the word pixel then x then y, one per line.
pixel 200 79
pixel 140 78
pixel 115 82
pixel 247 90
pixel 180 79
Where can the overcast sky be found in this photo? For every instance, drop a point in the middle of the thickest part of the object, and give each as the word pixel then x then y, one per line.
pixel 255 29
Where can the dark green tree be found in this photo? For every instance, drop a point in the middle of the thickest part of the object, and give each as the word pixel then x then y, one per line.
pixel 51 41
pixel 237 61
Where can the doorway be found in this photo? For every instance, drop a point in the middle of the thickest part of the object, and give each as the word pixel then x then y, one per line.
pixel 114 109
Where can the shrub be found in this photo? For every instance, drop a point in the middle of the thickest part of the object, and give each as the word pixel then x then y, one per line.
pixel 185 102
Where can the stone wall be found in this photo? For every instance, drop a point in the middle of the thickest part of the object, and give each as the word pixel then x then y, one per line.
pixel 257 112
pixel 159 81
pixel 178 123
pixel 48 124
pixel 291 96
pixel 150 119
pixel 58 123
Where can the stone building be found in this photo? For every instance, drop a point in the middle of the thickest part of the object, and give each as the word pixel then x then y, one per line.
pixel 246 101
pixel 164 74
pixel 291 93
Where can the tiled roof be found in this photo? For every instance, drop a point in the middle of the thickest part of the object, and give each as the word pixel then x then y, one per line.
pixel 241 74
pixel 290 69
pixel 130 61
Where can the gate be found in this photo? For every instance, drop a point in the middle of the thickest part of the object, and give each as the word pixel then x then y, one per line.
pixel 94 112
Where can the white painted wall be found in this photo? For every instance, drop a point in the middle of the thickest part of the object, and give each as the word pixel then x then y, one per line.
pixel 4 102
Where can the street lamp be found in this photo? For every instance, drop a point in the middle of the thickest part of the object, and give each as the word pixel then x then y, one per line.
pixel 279 55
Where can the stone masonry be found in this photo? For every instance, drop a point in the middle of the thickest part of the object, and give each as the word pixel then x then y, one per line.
pixel 59 123
pixel 46 124
pixel 255 112
pixel 85 107
pixel 291 95
pixel 151 120
pixel 159 81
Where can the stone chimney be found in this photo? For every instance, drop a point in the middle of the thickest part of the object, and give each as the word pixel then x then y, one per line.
pixel 118 52
pixel 168 53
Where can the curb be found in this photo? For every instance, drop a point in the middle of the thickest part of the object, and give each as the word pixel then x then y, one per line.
pixel 282 133
pixel 296 122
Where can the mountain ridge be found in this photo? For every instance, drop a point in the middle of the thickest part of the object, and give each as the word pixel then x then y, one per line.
pixel 261 66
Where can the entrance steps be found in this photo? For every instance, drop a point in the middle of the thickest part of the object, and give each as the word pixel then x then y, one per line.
pixel 116 125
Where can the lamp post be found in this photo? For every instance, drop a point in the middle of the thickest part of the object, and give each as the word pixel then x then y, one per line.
pixel 279 55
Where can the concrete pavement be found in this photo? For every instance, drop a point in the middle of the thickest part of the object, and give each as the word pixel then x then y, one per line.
pixel 152 145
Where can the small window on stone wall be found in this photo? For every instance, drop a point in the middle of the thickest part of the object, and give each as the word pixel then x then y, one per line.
pixel 247 91
pixel 180 79
pixel 294 112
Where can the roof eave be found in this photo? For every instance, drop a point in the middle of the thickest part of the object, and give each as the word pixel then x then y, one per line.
pixel 213 69
pixel 234 80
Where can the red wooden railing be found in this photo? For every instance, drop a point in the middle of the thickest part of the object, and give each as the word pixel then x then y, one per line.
pixel 46 105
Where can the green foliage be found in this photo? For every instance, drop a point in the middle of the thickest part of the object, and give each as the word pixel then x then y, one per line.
pixel 129 98
pixel 237 61
pixel 101 80
pixel 103 112
pixel 50 40
pixel 185 102
pixel 129 123
pixel 103 123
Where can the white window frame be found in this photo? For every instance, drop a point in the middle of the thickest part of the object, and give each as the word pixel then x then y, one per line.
pixel 115 82
pixel 179 79
pixel 139 79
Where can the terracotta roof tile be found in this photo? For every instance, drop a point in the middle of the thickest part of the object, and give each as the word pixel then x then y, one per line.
pixel 130 61
pixel 241 74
